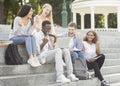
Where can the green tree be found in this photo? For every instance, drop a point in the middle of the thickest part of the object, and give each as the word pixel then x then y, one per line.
pixel 11 8
pixel 2 16
pixel 99 21
pixel 112 20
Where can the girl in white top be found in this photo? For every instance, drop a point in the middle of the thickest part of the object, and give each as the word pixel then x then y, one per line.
pixel 93 57
pixel 21 33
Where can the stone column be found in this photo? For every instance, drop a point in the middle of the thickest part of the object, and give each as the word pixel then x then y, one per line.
pixel 82 21
pixel 106 20
pixel 74 17
pixel 92 18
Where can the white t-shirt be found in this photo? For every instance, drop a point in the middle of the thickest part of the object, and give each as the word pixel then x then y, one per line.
pixel 39 37
pixel 90 50
pixel 71 43
pixel 39 40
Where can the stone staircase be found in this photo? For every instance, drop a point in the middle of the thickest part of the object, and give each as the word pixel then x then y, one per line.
pixel 25 75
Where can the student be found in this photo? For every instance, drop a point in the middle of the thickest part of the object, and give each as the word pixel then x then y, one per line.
pixel 75 45
pixel 21 33
pixel 49 54
pixel 92 49
pixel 45 14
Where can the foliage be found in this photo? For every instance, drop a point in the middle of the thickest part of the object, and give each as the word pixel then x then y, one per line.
pixel 112 20
pixel 11 8
pixel 99 21
pixel 87 21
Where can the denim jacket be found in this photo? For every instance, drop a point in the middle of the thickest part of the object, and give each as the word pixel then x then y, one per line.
pixel 77 42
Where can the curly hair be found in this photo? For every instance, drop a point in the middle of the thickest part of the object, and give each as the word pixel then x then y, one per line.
pixel 94 33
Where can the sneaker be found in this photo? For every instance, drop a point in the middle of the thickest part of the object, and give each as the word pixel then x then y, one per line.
pixel 37 61
pixel 62 79
pixel 104 83
pixel 41 59
pixel 33 63
pixel 72 77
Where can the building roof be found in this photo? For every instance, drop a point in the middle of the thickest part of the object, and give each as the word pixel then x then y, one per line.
pixel 100 6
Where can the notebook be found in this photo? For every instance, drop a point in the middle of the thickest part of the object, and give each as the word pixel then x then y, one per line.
pixel 62 42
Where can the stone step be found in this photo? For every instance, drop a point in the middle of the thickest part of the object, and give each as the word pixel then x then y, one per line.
pixel 25 69
pixel 110 45
pixel 115 84
pixel 46 77
pixel 110 50
pixel 90 82
pixel 28 80
pixel 113 78
pixel 111 62
pixel 110 69
pixel 112 55
pixel 42 80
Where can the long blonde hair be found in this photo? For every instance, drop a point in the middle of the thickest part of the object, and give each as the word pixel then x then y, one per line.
pixel 50 16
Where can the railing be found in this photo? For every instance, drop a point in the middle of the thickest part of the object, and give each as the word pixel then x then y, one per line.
pixel 105 30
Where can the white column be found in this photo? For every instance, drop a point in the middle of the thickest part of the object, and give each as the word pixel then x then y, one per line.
pixel 82 21
pixel 74 17
pixel 106 20
pixel 92 18
pixel 118 19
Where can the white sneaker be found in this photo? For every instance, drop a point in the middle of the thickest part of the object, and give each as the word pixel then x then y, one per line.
pixel 37 61
pixel 41 59
pixel 62 79
pixel 72 77
pixel 32 62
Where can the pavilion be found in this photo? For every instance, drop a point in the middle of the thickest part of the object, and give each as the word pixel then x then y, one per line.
pixel 93 7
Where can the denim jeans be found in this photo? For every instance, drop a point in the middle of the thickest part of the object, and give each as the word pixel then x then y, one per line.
pixel 29 42
pixel 80 56
pixel 76 55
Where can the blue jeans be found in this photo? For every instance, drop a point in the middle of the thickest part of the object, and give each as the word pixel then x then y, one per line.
pixel 76 55
pixel 79 55
pixel 29 41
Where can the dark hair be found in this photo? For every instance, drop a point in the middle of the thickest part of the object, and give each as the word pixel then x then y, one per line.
pixel 94 33
pixel 72 24
pixel 23 11
pixel 45 23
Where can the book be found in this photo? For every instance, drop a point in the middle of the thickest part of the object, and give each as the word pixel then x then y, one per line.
pixel 96 57
pixel 75 49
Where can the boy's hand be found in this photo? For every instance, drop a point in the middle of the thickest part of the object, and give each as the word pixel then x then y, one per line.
pixel 45 40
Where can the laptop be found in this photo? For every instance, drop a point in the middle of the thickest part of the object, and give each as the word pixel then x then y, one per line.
pixel 62 42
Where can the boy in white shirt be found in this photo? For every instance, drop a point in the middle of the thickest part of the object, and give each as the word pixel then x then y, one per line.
pixel 48 54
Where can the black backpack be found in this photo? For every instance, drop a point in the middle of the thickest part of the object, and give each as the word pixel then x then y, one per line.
pixel 12 56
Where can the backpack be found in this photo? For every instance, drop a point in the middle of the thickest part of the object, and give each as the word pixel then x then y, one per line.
pixel 80 69
pixel 12 56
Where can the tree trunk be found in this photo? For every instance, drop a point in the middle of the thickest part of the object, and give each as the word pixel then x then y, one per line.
pixel 2 16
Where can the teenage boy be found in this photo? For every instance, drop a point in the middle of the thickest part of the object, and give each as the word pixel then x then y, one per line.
pixel 50 54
